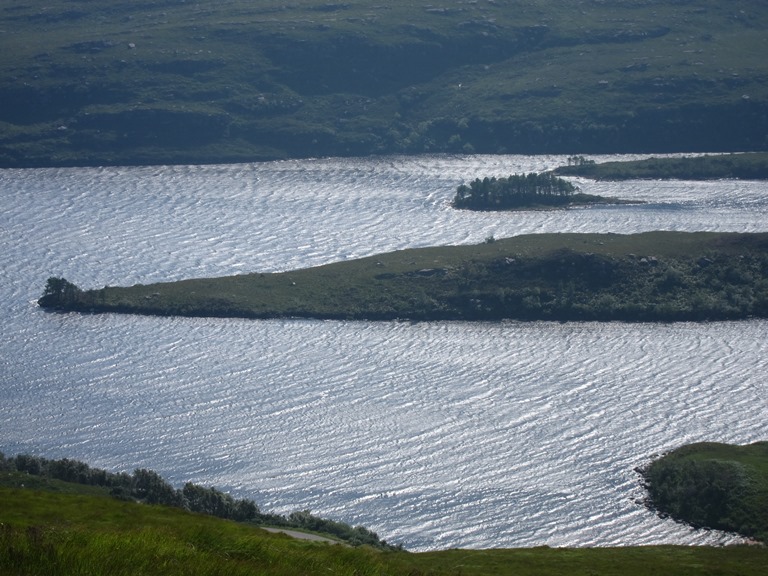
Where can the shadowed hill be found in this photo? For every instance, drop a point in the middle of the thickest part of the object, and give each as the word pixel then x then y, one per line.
pixel 169 81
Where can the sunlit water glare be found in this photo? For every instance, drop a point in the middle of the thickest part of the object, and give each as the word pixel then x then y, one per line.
pixel 435 435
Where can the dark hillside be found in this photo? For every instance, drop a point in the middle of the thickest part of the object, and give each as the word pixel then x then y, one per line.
pixel 168 81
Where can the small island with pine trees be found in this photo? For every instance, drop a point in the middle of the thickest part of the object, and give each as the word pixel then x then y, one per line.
pixel 524 192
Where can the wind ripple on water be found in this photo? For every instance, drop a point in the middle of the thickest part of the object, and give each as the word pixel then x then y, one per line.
pixel 435 435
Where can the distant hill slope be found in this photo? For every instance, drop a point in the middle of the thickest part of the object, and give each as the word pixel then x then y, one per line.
pixel 170 81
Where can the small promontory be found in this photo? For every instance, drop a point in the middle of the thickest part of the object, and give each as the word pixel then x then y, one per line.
pixel 713 485
pixel 747 166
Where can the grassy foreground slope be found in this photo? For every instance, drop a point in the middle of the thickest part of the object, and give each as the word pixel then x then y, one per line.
pixel 713 485
pixel 655 276
pixel 175 81
pixel 65 532
pixel 148 487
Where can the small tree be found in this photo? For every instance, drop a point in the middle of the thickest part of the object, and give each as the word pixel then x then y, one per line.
pixel 151 488
pixel 59 292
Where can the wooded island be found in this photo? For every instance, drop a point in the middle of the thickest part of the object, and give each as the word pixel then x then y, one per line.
pixel 523 191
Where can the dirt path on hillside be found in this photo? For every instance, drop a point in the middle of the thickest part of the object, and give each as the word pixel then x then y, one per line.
pixel 303 535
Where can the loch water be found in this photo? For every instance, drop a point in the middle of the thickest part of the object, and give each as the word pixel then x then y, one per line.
pixel 435 435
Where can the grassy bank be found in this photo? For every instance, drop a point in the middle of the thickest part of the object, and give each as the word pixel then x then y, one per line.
pixel 67 533
pixel 749 166
pixel 655 276
pixel 714 486
pixel 167 81
pixel 147 487
pixel 50 533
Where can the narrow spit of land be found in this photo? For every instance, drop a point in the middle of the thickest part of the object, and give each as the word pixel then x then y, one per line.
pixel 748 166
pixel 654 276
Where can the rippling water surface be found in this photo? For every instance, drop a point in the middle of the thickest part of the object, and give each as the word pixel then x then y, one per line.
pixel 435 435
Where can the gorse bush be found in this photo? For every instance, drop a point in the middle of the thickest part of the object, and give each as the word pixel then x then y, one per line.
pixel 142 486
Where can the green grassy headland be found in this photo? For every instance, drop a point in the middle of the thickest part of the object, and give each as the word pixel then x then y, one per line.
pixel 711 485
pixel 64 529
pixel 654 276
pixel 747 166
pixel 174 81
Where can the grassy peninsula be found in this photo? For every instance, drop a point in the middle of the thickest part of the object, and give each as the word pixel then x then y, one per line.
pixel 747 166
pixel 712 485
pixel 169 81
pixel 59 528
pixel 654 276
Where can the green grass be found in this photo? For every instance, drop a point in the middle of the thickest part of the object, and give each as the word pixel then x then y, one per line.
pixel 749 166
pixel 32 482
pixel 170 81
pixel 663 276
pixel 49 534
pixel 714 485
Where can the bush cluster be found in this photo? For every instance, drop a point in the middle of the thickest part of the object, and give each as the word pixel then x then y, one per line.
pixel 142 486
pixel 570 285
